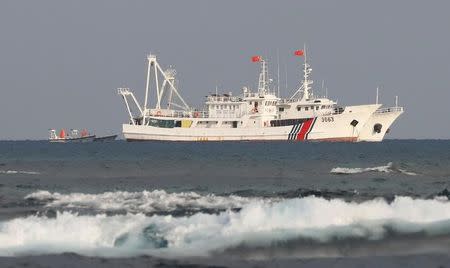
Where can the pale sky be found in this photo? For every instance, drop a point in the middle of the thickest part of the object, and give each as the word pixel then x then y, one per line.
pixel 61 61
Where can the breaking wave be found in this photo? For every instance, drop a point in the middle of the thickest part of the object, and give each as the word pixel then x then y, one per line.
pixel 258 224
pixel 386 169
pixel 145 201
pixel 19 172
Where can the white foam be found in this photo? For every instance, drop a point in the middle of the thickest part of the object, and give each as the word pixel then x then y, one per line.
pixel 406 172
pixel 19 172
pixel 145 201
pixel 258 223
pixel 386 169
pixel 342 170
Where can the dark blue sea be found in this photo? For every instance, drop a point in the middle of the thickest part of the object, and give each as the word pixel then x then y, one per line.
pixel 247 204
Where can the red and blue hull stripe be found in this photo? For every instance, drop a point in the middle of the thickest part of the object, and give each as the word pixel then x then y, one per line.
pixel 301 130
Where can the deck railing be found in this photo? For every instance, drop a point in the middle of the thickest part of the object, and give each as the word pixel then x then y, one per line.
pixel 389 110
pixel 222 99
pixel 197 114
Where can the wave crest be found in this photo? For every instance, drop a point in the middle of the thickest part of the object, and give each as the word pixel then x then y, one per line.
pixel 19 172
pixel 257 224
pixel 145 201
pixel 386 169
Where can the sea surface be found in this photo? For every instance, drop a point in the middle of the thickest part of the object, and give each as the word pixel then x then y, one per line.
pixel 225 204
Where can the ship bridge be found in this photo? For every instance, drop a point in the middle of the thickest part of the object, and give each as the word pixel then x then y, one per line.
pixel 225 106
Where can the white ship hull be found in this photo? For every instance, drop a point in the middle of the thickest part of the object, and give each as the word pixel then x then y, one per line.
pixel 73 140
pixel 321 128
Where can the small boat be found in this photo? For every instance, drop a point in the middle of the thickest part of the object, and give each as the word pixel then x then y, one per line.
pixel 73 136
pixel 105 138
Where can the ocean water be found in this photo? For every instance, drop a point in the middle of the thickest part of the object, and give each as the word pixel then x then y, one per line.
pixel 225 204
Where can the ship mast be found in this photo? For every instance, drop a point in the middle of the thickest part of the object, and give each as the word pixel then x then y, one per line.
pixel 306 83
pixel 263 83
pixel 305 86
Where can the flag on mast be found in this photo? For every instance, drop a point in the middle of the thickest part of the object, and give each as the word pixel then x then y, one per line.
pixel 256 58
pixel 299 53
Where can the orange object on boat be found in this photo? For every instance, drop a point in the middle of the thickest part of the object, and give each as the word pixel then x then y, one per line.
pixel 62 134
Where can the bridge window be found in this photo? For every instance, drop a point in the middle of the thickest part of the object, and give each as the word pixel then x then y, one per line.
pixel 161 123
pixel 285 122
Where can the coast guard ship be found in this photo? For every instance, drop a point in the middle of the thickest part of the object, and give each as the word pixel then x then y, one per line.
pixel 254 115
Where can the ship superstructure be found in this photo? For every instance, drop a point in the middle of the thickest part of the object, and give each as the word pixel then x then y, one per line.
pixel 252 115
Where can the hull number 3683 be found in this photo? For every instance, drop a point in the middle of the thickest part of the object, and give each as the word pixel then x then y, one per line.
pixel 327 119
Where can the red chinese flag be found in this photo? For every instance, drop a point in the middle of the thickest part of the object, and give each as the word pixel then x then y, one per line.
pixel 256 58
pixel 299 53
